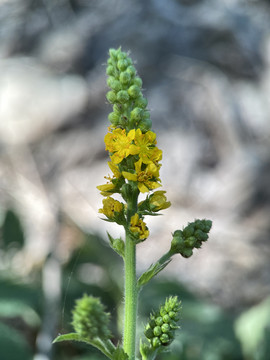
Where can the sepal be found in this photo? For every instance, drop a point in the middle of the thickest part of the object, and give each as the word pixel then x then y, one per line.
pixel 117 245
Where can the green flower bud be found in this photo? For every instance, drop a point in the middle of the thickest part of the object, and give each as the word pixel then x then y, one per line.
pixel 136 114
pixel 110 70
pixel 189 230
pixel 90 319
pixel 137 82
pixel 149 333
pixel 186 253
pixel 164 338
pixel 122 96
pixel 117 108
pixel 157 331
pixel 145 125
pixel 129 60
pixel 166 318
pixel 190 242
pixel 134 91
pixel 156 342
pixel 152 323
pixel 131 70
pixel 121 55
pixel 113 118
pixel 109 62
pixel 141 102
pixel 122 64
pixel 113 53
pixel 159 321
pixel 111 96
pixel 124 77
pixel 165 328
pixel 172 315
pixel 200 235
pixel 114 84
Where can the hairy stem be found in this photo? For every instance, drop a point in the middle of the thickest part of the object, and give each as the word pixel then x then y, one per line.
pixel 130 285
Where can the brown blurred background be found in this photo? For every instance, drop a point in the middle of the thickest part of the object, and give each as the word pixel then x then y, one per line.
pixel 205 66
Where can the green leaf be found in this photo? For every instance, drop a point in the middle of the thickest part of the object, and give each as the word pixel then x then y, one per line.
pixel 153 270
pixel 13 344
pixel 106 347
pixel 70 337
pixel 10 308
pixel 119 354
pixel 12 231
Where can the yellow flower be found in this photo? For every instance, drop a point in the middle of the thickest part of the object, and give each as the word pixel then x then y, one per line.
pixel 144 145
pixel 158 201
pixel 146 179
pixel 138 227
pixel 108 189
pixel 119 144
pixel 110 207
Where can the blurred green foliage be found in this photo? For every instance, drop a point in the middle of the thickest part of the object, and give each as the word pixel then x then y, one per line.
pixel 207 331
pixel 12 231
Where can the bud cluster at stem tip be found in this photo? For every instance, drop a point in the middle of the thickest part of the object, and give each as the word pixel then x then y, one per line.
pixel 129 104
pixel 163 323
pixel 192 236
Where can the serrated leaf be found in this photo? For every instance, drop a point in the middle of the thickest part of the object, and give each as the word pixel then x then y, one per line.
pixel 107 348
pixel 153 270
pixel 69 337
pixel 120 354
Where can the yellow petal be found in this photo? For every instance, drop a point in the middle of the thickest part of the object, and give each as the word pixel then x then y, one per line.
pixel 129 176
pixel 142 187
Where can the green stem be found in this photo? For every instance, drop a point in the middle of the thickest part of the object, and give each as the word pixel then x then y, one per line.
pixel 130 286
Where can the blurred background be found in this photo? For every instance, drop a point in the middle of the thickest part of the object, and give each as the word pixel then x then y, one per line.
pixel 205 66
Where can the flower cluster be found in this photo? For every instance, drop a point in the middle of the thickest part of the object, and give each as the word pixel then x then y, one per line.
pixel 192 236
pixel 162 325
pixel 134 156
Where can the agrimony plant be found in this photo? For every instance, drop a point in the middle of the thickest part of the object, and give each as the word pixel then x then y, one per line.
pixel 135 162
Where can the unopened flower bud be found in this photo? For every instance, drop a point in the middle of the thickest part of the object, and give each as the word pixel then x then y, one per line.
pixel 137 81
pixel 110 70
pixel 136 114
pixel 141 102
pixel 90 319
pixel 111 96
pixel 134 91
pixel 122 96
pixel 157 331
pixel 122 64
pixel 113 118
pixel 124 77
pixel 113 53
pixel 131 70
